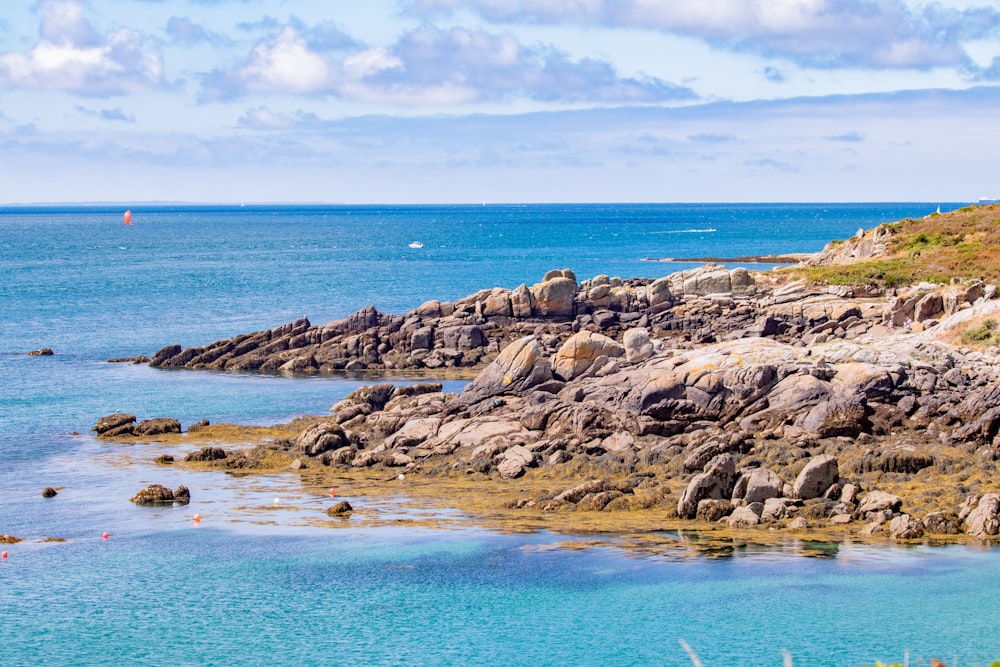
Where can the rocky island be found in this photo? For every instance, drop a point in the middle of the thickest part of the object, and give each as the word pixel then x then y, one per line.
pixel 856 394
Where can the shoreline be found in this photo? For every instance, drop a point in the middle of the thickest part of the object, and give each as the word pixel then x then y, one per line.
pixel 786 259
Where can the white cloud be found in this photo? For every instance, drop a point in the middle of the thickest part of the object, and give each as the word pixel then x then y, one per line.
pixel 286 64
pixel 430 66
pixel 370 62
pixel 72 56
pixel 814 33
pixel 262 118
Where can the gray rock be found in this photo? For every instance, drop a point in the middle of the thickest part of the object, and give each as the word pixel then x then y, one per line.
pixel 798 523
pixel 757 485
pixel 715 483
pixel 743 517
pixel 375 395
pixel 841 415
pixel 319 438
pixel 518 368
pixel 905 527
pixel 514 462
pixel 877 501
pixel 984 520
pixel 638 347
pixel 816 477
pixel 774 510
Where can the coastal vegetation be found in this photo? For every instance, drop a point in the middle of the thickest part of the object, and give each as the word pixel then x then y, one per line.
pixel 960 244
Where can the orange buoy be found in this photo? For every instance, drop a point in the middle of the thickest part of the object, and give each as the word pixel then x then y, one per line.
pixel 333 492
pixel 4 555
pixel 128 217
pixel 105 536
pixel 197 518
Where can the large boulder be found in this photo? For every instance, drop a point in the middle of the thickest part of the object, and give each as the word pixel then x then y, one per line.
pixel 638 347
pixel 553 298
pixel 757 485
pixel 818 475
pixel 514 461
pixel 984 520
pixel 715 483
pixel 518 367
pixel 579 353
pixel 841 415
pixel 319 438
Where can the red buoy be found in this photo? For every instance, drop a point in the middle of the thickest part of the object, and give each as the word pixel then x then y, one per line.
pixel 197 518
pixel 4 555
pixel 105 536
pixel 128 217
pixel 333 492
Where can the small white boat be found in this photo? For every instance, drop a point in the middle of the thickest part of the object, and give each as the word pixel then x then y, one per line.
pixel 988 200
pixel 417 245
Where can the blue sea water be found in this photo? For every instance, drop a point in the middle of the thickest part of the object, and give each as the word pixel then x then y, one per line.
pixel 257 583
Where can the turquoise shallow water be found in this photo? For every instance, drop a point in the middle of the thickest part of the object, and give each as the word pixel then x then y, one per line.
pixel 257 583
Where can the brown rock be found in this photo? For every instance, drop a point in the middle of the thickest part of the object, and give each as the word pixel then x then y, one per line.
pixel 340 509
pixel 578 354
pixel 554 298
pixel 114 424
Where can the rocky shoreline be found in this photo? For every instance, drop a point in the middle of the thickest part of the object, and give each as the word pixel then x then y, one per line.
pixel 711 398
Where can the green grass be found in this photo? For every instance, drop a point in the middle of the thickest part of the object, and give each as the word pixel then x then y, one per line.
pixel 960 244
pixel 893 272
pixel 988 333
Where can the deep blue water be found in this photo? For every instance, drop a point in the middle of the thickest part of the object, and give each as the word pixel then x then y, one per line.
pixel 260 584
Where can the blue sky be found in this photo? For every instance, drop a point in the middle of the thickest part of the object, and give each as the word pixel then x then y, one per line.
pixel 395 101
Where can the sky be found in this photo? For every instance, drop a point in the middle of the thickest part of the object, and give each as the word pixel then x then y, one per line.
pixel 468 101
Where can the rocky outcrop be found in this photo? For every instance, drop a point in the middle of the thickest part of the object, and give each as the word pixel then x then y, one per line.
pixel 716 395
pixel 691 307
pixel 121 425
pixel 115 425
pixel 156 426
pixel 157 494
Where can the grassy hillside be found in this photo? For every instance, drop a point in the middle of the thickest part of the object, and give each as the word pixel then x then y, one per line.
pixel 960 244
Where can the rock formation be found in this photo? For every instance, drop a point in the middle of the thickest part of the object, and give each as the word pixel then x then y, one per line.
pixel 739 398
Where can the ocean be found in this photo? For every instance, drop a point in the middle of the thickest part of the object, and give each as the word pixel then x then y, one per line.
pixel 260 583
